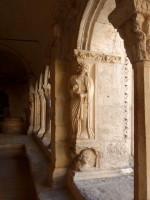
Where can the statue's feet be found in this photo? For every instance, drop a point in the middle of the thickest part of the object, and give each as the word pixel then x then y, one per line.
pixel 83 136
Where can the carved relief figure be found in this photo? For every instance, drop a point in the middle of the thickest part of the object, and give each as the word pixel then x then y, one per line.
pixel 81 89
pixel 146 5
pixel 86 159
pixel 140 37
pixel 147 31
pixel 143 5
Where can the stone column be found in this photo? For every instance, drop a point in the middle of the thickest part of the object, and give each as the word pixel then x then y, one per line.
pixel 36 113
pixel 60 152
pixel 42 113
pixel 31 103
pixel 47 134
pixel 132 19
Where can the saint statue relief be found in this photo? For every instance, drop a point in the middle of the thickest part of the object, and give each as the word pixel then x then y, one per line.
pixel 81 89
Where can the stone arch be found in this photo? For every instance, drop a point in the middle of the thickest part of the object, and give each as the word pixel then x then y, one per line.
pixel 101 47
pixel 9 53
pixel 90 15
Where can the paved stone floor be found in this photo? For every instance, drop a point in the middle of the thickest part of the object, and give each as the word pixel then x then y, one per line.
pixel 15 147
pixel 15 179
pixel 20 155
pixel 120 188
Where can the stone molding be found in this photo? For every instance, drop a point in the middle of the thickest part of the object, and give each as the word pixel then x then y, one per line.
pixel 95 56
pixel 126 98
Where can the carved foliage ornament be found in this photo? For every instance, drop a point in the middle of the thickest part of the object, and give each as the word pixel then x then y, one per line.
pixel 97 57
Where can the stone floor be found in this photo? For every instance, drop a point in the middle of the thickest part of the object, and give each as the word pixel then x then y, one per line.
pixel 13 147
pixel 22 159
pixel 118 188
pixel 15 179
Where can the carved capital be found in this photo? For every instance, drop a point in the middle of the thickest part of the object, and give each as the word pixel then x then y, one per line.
pixel 94 56
pixel 47 91
pixel 132 19
pixel 31 99
pixel 41 95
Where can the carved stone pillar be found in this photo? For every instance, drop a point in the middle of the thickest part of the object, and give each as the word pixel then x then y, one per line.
pixel 31 103
pixel 47 92
pixel 31 109
pixel 132 19
pixel 60 156
pixel 42 113
pixel 36 113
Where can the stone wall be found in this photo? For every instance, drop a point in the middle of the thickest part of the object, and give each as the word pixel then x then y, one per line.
pixel 114 143
pixel 113 108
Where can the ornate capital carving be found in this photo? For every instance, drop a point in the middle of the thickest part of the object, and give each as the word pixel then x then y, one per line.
pixel 134 28
pixel 31 99
pixel 41 95
pixel 47 91
pixel 94 56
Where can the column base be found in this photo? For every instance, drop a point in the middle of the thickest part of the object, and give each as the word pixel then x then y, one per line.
pixel 46 136
pixel 57 177
pixel 35 130
pixel 40 133
pixel 30 130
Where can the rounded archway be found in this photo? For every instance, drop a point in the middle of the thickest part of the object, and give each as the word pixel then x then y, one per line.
pixel 14 85
pixel 100 46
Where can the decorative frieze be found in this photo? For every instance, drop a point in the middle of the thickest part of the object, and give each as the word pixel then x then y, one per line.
pixel 94 56
pixel 126 98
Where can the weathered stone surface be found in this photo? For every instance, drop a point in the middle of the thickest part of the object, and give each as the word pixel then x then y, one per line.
pixel 106 189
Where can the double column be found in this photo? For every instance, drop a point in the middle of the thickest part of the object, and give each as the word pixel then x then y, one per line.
pixel 134 28
pixel 31 103
pixel 47 134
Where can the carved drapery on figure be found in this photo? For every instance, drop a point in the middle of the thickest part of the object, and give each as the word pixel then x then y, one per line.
pixel 81 90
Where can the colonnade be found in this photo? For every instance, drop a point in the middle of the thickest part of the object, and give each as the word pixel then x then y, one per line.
pixel 40 108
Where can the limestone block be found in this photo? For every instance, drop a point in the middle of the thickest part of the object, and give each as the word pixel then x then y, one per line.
pixel 57 176
pixel 107 40
pixel 61 133
pixel 112 111
pixel 61 154
pixel 61 85
pixel 113 155
pixel 61 112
